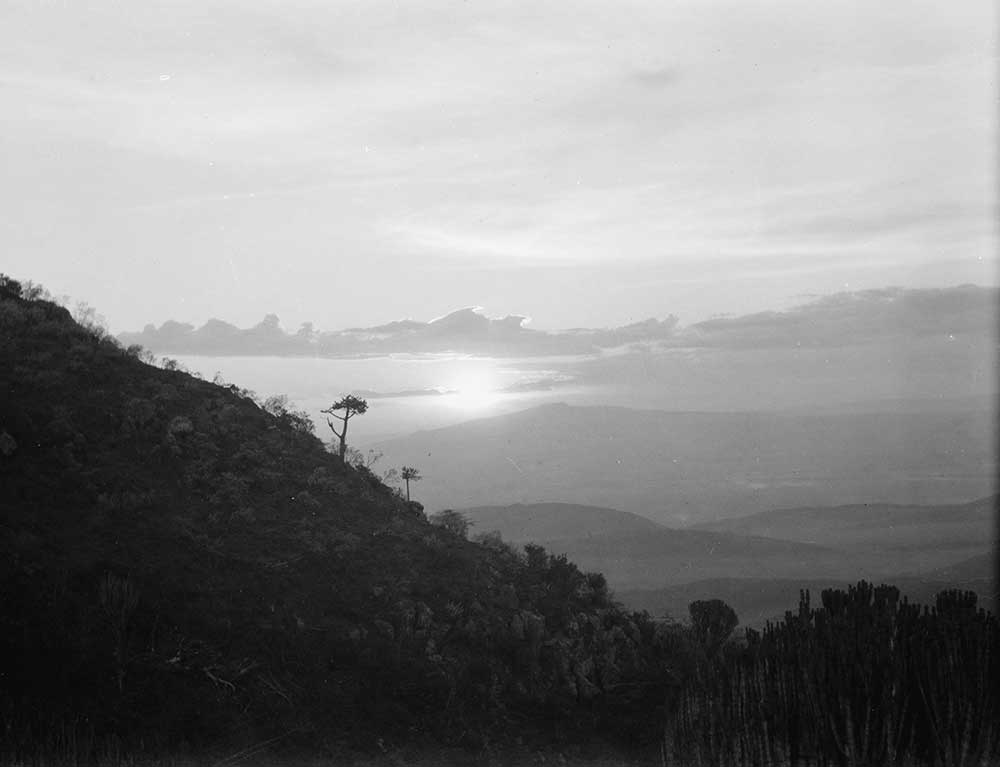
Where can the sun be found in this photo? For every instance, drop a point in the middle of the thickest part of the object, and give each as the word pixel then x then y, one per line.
pixel 473 390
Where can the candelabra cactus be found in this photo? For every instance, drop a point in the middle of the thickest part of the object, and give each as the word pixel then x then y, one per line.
pixel 865 679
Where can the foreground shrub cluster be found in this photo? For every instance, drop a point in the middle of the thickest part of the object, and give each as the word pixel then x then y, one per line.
pixel 864 679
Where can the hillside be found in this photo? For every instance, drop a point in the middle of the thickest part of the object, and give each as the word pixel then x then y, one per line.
pixel 182 566
pixel 685 468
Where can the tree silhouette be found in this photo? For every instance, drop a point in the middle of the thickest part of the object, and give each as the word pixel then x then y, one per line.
pixel 351 406
pixel 9 287
pixel 452 521
pixel 713 622
pixel 408 474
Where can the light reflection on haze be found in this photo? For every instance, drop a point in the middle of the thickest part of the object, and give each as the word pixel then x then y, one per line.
pixel 406 393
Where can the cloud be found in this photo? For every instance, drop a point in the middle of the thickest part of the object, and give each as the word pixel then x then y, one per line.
pixel 848 318
pixel 544 381
pixel 463 331
pixel 865 350
pixel 658 77
pixel 930 346
pixel 838 320
pixel 945 218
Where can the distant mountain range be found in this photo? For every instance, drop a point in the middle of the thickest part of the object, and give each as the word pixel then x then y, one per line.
pixel 886 528
pixel 687 468
pixel 634 552
pixel 968 571
pixel 921 549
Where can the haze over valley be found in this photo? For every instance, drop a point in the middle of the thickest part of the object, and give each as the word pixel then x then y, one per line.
pixel 867 418
pixel 867 398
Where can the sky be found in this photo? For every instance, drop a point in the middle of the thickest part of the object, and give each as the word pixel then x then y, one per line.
pixel 586 164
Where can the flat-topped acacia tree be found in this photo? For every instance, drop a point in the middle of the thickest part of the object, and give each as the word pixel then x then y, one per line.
pixel 351 406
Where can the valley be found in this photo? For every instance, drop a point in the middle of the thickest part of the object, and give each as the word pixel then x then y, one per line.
pixel 685 468
pixel 759 563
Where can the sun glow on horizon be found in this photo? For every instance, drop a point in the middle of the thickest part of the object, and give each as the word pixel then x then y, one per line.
pixel 473 390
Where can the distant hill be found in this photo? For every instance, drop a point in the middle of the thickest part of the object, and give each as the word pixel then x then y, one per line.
pixel 523 523
pixel 915 538
pixel 662 570
pixel 979 569
pixel 919 549
pixel 634 552
pixel 683 468
pixel 973 403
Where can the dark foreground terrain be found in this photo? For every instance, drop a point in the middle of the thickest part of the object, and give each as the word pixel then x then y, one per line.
pixel 188 576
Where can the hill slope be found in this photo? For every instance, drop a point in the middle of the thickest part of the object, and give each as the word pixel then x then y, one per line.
pixel 681 468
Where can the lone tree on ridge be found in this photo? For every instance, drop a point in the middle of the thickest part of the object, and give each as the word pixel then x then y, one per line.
pixel 351 406
pixel 409 473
